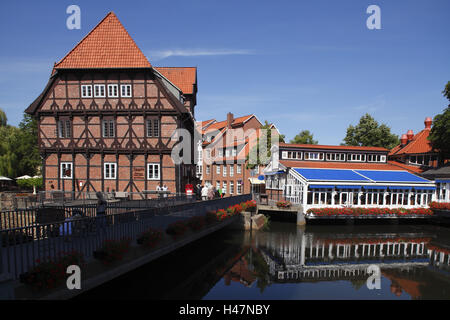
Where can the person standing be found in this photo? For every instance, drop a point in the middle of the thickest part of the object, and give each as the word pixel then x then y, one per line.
pixel 205 193
pixel 101 210
pixel 220 192
pixel 165 190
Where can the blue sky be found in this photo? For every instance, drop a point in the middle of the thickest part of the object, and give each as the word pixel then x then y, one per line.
pixel 300 64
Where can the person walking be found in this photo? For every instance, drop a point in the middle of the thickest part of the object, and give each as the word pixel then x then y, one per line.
pixel 220 192
pixel 165 190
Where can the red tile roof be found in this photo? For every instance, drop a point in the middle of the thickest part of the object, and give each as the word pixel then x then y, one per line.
pixel 413 169
pixel 108 45
pixel 185 78
pixel 419 144
pixel 317 146
pixel 223 124
pixel 340 165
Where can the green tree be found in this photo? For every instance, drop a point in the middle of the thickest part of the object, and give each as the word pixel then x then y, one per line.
pixel 304 137
pixel 3 118
pixel 8 155
pixel 440 131
pixel 255 151
pixel 27 147
pixel 369 133
pixel 31 183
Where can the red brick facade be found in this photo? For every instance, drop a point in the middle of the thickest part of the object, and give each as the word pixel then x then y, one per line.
pixel 110 138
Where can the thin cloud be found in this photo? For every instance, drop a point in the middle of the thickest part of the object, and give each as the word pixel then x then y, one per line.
pixel 163 54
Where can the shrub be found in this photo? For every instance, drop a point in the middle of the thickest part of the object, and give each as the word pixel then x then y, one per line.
pixel 221 214
pixel 112 250
pixel 368 211
pixel 440 205
pixel 150 238
pixel 196 223
pixel 50 274
pixel 283 204
pixel 210 217
pixel 250 205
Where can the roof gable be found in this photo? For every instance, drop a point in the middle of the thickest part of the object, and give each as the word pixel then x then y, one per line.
pixel 107 46
pixel 418 144
pixel 185 78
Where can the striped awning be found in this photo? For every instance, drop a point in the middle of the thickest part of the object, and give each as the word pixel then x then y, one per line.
pixel 376 187
pixel 348 187
pixel 400 188
pixel 318 186
pixel 425 188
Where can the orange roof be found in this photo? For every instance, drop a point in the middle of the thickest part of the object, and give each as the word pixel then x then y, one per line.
pixel 339 165
pixel 317 146
pixel 413 169
pixel 418 144
pixel 222 124
pixel 184 78
pixel 108 45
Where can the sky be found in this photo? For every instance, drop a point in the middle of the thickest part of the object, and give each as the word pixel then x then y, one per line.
pixel 303 65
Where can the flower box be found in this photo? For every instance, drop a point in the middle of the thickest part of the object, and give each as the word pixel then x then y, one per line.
pixel 149 238
pixel 112 250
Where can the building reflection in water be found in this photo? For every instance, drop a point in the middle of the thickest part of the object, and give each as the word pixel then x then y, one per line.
pixel 406 259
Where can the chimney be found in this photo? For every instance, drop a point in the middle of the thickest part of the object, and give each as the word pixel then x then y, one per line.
pixel 410 135
pixel 404 139
pixel 230 119
pixel 428 121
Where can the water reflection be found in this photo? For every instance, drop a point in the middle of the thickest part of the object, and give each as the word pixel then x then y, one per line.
pixel 288 262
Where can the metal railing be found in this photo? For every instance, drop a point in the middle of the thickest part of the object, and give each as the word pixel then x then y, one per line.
pixel 22 248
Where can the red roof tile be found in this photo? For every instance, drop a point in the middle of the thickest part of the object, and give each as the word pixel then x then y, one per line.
pixel 185 78
pixel 419 144
pixel 340 165
pixel 413 169
pixel 223 124
pixel 317 146
pixel 108 45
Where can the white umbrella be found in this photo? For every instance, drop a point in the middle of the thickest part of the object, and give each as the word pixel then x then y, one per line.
pixel 23 177
pixel 37 177
pixel 2 178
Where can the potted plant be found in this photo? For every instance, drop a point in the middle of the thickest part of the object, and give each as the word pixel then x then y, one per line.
pixel 176 229
pixel 196 223
pixel 112 250
pixel 149 238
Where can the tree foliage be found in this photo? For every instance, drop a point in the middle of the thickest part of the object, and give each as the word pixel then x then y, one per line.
pixel 3 118
pixel 440 131
pixel 257 153
pixel 304 137
pixel 19 154
pixel 369 133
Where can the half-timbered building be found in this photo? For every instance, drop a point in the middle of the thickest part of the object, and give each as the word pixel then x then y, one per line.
pixel 106 117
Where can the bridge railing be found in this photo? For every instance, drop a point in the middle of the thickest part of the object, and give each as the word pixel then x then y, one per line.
pixel 24 247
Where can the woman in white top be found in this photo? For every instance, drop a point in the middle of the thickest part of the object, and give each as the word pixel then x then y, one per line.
pixel 205 193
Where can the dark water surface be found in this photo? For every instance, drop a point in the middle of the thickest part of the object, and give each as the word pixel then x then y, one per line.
pixel 288 262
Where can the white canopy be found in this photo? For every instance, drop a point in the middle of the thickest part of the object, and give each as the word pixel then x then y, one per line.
pixel 23 177
pixel 2 178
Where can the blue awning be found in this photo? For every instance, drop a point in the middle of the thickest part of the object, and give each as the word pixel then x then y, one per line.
pixel 391 176
pixel 399 188
pixel 376 187
pixel 425 188
pixel 316 186
pixel 348 187
pixel 442 181
pixel 330 174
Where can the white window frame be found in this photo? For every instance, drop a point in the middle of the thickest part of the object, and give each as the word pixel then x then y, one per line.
pixel 217 168
pixel 239 168
pixel 153 166
pixel 336 156
pixel 224 170
pixel 100 87
pixel 231 170
pixel 113 90
pixel 357 157
pixel 107 133
pixel 112 170
pixel 314 158
pixel 234 152
pixel 239 187
pixel 124 88
pixel 284 154
pixel 63 167
pixel 224 187
pixel 208 169
pixel 231 187
pixel 86 91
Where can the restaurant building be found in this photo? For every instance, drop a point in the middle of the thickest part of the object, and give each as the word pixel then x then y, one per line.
pixel 107 116
pixel 317 176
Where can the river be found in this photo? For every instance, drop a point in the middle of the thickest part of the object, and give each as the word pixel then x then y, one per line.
pixel 292 263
